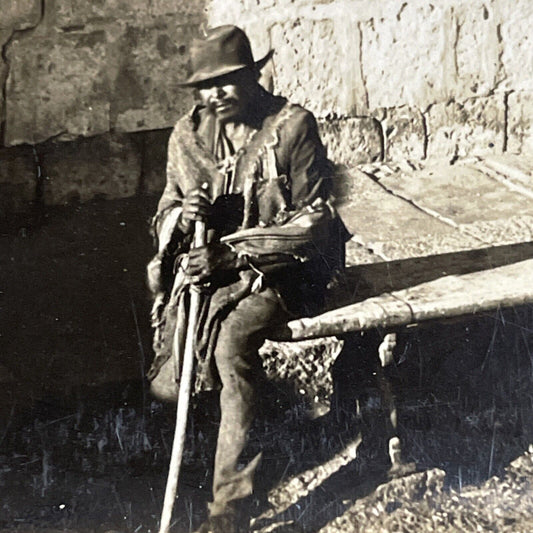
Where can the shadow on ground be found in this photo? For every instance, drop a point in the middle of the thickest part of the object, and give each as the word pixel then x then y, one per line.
pixel 84 448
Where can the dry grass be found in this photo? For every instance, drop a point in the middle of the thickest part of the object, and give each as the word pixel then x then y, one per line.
pixel 465 402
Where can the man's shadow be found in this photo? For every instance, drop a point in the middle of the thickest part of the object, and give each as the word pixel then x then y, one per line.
pixel 296 444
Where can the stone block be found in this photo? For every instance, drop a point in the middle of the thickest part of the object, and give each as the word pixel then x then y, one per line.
pixel 18 174
pixel 315 65
pixel 510 229
pixel 520 127
pixel 516 21
pixel 252 5
pixel 352 141
pixel 358 254
pixel 152 62
pixel 477 49
pixel 3 76
pixel 84 83
pixel 220 13
pixel 390 227
pixel 460 194
pixel 303 72
pixel 186 10
pixel 407 55
pixel 261 4
pixel 14 16
pixel 405 134
pixel 74 14
pixel 472 127
pixel 106 166
pixel 154 160
pixel 20 15
pixel 57 85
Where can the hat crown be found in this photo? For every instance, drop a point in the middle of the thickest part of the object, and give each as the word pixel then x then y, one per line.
pixel 224 49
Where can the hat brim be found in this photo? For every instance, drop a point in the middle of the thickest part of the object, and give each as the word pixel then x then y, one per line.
pixel 202 76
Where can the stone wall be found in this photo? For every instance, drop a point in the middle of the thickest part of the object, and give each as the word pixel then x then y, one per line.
pixel 397 79
pixel 89 92
pixel 89 89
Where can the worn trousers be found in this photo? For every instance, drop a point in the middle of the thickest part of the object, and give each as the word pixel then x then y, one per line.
pixel 241 335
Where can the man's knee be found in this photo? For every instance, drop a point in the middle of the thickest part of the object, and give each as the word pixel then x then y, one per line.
pixel 249 321
pixel 241 335
pixel 237 340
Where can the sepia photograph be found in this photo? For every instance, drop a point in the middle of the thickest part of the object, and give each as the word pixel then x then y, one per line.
pixel 266 266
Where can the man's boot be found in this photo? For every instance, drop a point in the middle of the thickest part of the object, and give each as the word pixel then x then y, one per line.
pixel 230 522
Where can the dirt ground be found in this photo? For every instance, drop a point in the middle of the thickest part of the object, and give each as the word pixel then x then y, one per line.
pixel 83 447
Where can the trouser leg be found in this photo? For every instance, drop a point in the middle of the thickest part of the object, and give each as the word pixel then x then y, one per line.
pixel 241 335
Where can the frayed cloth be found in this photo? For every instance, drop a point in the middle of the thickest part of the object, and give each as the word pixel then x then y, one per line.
pixel 169 320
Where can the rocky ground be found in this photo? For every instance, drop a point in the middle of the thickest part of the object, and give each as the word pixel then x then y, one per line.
pixel 84 448
pixel 91 468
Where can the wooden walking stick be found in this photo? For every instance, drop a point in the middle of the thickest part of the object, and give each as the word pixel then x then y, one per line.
pixel 184 391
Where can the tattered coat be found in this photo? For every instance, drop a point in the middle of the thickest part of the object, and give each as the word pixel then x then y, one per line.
pixel 271 202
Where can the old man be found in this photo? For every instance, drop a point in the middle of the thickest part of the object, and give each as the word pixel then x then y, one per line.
pixel 252 167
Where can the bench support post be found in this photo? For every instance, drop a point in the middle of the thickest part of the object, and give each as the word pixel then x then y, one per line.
pixel 386 357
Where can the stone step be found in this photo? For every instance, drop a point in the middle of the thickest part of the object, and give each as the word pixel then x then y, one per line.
pixel 406 210
pixel 392 227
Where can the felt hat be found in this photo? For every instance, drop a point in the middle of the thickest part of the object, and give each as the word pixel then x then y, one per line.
pixel 220 51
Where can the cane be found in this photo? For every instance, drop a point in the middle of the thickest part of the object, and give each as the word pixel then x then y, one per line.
pixel 184 392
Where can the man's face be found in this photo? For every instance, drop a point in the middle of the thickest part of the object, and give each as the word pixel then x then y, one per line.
pixel 229 96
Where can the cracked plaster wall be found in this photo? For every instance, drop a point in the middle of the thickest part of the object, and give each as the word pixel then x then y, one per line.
pixel 89 89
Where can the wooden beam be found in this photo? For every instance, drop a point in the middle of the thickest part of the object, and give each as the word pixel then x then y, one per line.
pixel 446 297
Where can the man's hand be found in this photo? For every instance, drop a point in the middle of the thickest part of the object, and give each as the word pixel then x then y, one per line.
pixel 215 257
pixel 196 206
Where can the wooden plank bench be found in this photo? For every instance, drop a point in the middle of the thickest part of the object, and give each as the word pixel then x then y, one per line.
pixel 474 220
pixel 446 297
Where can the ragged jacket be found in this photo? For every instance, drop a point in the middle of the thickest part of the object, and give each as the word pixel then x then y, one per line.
pixel 271 202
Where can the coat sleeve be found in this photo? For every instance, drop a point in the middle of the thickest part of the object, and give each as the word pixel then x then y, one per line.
pixel 164 224
pixel 308 167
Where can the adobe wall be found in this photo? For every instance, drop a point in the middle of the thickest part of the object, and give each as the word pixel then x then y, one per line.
pixel 89 88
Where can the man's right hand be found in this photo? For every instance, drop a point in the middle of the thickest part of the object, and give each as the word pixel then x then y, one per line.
pixel 196 206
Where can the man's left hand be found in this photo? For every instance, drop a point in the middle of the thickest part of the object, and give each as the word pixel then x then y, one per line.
pixel 207 260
